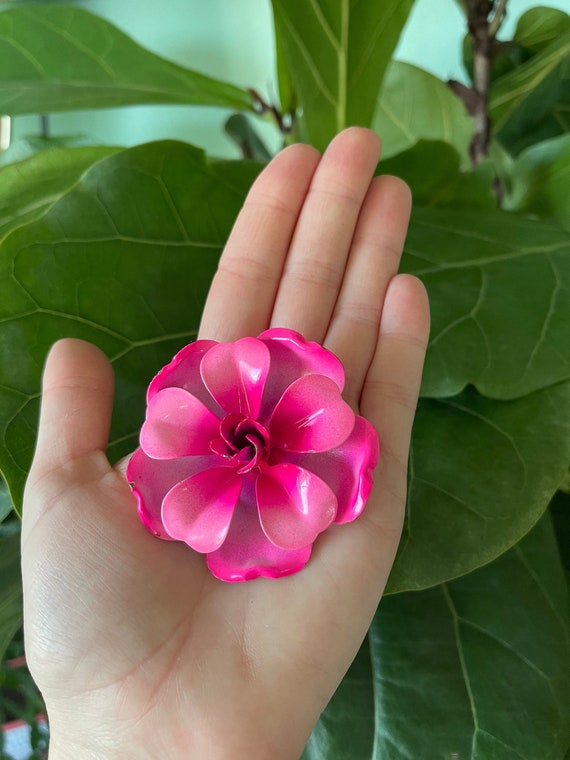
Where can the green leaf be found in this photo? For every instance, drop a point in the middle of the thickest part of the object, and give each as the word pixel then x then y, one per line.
pixel 507 56
pixel 560 513
pixel 28 146
pixel 287 95
pixel 544 114
pixel 539 181
pixel 346 728
pixel 5 501
pixel 481 474
pixel 239 128
pixel 415 105
pixel 508 93
pixel 124 260
pixel 10 589
pixel 535 30
pixel 540 26
pixel 28 188
pixel 432 170
pixel 476 668
pixel 532 103
pixel 59 58
pixel 498 286
pixel 336 52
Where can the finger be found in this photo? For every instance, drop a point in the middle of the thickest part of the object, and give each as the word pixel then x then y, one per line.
pixel 367 547
pixel 317 258
pixel 243 290
pixel 77 399
pixel 373 260
pixel 391 390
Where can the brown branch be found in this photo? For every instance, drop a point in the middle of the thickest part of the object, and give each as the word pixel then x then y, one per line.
pixel 477 17
pixel 284 121
pixel 484 19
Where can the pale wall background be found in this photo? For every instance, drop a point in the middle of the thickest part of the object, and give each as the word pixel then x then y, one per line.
pixel 233 40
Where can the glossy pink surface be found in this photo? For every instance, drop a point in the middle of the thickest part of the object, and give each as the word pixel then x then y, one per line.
pixel 249 452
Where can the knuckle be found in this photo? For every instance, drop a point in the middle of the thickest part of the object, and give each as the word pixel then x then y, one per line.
pixel 246 268
pixel 359 314
pixel 396 393
pixel 311 272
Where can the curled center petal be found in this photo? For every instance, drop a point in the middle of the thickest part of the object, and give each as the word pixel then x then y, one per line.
pixel 242 442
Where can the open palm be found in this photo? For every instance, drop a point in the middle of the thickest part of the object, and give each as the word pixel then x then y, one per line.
pixel 138 650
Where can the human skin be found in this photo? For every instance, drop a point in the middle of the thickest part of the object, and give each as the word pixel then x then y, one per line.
pixel 138 650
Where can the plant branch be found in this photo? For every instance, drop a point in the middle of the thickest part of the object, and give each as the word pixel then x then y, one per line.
pixel 497 20
pixel 283 121
pixel 483 31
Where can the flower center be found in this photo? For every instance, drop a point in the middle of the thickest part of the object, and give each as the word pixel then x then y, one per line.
pixel 243 442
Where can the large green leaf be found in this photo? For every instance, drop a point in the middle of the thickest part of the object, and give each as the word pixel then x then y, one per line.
pixel 482 473
pixel 539 181
pixel 336 53
pixel 28 188
pixel 432 170
pixel 28 146
pixel 476 669
pixel 500 305
pixel 415 105
pixel 10 589
pixel 59 58
pixel 532 103
pixel 346 728
pixel 481 663
pixel 124 260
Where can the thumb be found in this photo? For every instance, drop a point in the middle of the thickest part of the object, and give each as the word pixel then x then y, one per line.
pixel 77 400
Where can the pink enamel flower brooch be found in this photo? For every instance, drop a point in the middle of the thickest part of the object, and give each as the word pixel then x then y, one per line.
pixel 249 452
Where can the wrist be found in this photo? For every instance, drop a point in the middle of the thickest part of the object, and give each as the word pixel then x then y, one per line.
pixel 64 746
pixel 76 739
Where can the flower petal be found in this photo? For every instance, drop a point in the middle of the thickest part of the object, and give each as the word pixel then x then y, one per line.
pixel 295 505
pixel 199 510
pixel 292 357
pixel 183 371
pixel 311 416
pixel 177 425
pixel 235 375
pixel 247 553
pixel 347 469
pixel 151 480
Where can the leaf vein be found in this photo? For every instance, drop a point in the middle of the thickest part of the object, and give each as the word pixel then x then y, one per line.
pixel 74 42
pixel 312 67
pixel 548 318
pixel 462 663
pixel 495 427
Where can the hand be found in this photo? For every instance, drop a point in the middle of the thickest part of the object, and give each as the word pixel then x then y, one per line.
pixel 138 650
